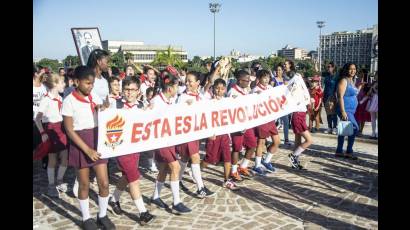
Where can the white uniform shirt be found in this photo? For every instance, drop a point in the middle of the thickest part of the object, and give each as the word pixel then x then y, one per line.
pixel 186 96
pixel 160 101
pixel 144 86
pixel 51 108
pixel 101 88
pixel 83 117
pixel 237 91
pixel 260 87
pixel 38 93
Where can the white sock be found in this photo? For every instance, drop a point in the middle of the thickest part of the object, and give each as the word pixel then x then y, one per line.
pixel 258 161
pixel 51 175
pixel 61 172
pixel 151 163
pixel 84 207
pixel 157 191
pixel 175 191
pixel 182 170
pixel 116 195
pixel 102 204
pixel 140 205
pixel 298 151
pixel 268 157
pixel 196 173
pixel 234 168
pixel 244 163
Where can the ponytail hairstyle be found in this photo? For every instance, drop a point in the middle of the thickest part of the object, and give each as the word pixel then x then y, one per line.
pixel 52 80
pixel 168 81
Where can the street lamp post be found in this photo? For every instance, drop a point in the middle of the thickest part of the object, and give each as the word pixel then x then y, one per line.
pixel 320 25
pixel 214 8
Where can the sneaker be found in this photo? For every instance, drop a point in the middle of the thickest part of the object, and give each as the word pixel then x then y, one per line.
pixel 75 188
pixel 329 131
pixel 52 191
pixel 236 177
pixel 159 203
pixel 146 218
pixel 105 223
pixel 183 187
pixel 115 207
pixel 268 166
pixel 180 208
pixel 208 192
pixel 244 172
pixel 62 187
pixel 153 169
pixel 259 171
pixel 89 224
pixel 293 161
pixel 287 142
pixel 334 131
pixel 229 184
pixel 201 193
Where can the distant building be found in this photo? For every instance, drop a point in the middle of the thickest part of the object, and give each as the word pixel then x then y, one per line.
pixel 289 52
pixel 143 54
pixel 375 59
pixel 243 57
pixel 343 47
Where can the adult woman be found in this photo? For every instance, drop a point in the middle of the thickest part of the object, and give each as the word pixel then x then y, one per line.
pixel 346 107
pixel 329 98
pixel 98 60
pixel 280 80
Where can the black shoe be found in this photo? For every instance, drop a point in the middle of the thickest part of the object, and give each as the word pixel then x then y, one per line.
pixel 146 218
pixel 180 208
pixel 183 187
pixel 105 223
pixel 293 161
pixel 115 207
pixel 89 224
pixel 208 192
pixel 159 203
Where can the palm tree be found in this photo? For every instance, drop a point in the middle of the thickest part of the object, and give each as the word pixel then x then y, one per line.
pixel 128 56
pixel 167 57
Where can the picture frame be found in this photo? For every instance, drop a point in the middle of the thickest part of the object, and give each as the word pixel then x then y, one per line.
pixel 86 39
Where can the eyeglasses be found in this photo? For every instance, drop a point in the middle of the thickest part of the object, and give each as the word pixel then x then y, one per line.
pixel 130 90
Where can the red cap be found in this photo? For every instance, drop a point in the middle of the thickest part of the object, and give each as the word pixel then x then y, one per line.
pixel 316 78
pixel 172 70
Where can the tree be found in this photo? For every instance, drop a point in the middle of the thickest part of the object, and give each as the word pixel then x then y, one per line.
pixel 50 63
pixel 128 56
pixel 196 64
pixel 167 57
pixel 117 59
pixel 72 61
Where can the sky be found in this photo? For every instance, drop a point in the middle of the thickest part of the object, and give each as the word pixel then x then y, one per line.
pixel 257 27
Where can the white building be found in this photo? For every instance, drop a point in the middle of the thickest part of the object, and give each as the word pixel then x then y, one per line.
pixel 114 46
pixel 289 52
pixel 243 57
pixel 343 47
pixel 145 54
pixel 375 59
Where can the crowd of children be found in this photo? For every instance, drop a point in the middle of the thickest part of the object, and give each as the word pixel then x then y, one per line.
pixel 71 126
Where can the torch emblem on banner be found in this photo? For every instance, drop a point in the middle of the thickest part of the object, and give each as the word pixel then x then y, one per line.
pixel 114 132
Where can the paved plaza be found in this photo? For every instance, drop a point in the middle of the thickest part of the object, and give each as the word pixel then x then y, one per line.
pixel 333 193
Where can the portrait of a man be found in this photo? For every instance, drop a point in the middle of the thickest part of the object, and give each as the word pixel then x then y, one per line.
pixel 86 40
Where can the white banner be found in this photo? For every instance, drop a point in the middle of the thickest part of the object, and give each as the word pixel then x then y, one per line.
pixel 122 132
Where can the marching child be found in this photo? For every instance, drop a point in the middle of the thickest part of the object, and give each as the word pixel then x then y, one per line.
pixel 50 113
pixel 128 164
pixel 80 121
pixel 149 94
pixel 218 147
pixel 190 150
pixel 148 82
pixel 115 90
pixel 316 93
pixel 266 130
pixel 166 157
pixel 245 138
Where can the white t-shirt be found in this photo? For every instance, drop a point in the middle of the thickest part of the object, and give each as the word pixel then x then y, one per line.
pixel 83 117
pixel 260 87
pixel 50 109
pixel 185 96
pixel 38 93
pixel 160 101
pixel 101 88
pixel 237 91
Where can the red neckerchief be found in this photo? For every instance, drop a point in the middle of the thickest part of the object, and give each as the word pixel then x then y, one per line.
pixel 60 103
pixel 196 95
pixel 237 89
pixel 115 97
pixel 163 98
pixel 130 106
pixel 149 84
pixel 80 98
pixel 262 87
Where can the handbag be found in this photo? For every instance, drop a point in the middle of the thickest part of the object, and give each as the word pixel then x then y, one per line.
pixel 372 104
pixel 344 128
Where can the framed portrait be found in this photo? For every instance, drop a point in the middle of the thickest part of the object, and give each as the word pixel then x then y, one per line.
pixel 86 40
